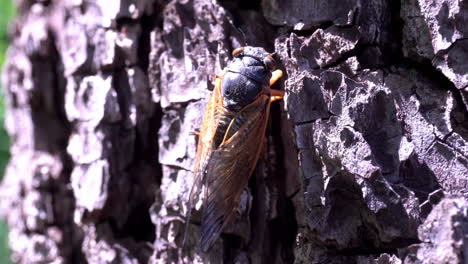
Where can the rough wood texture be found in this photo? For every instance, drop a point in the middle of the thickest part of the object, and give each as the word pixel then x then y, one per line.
pixel 367 158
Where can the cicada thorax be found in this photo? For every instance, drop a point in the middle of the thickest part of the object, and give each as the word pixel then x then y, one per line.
pixel 244 120
pixel 231 137
pixel 238 107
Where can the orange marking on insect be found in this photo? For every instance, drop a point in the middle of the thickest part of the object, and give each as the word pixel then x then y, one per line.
pixel 236 51
pixel 275 76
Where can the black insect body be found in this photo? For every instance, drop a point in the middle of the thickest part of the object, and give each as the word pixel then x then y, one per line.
pixel 246 76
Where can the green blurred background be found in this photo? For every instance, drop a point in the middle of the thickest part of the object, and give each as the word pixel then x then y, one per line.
pixel 7 12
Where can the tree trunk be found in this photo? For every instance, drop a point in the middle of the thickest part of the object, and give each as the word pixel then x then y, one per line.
pixel 366 159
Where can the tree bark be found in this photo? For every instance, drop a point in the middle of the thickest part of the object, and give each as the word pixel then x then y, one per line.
pixel 365 161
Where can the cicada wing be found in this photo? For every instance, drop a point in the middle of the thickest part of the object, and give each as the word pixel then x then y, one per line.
pixel 208 128
pixel 210 122
pixel 230 166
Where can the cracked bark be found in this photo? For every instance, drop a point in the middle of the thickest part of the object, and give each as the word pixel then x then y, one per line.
pixel 366 159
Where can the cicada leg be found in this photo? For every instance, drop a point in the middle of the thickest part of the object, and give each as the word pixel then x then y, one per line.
pixel 275 76
pixel 195 132
pixel 276 94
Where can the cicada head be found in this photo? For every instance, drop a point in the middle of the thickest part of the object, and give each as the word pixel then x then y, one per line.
pixel 247 76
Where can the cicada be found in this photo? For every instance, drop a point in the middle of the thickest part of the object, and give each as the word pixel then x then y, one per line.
pixel 232 135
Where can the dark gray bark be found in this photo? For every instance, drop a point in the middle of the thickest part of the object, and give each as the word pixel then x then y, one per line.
pixel 366 158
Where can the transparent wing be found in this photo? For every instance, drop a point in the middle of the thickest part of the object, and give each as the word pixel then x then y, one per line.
pixel 208 129
pixel 229 167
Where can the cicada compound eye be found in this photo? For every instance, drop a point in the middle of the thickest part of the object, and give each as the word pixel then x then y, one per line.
pixel 269 62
